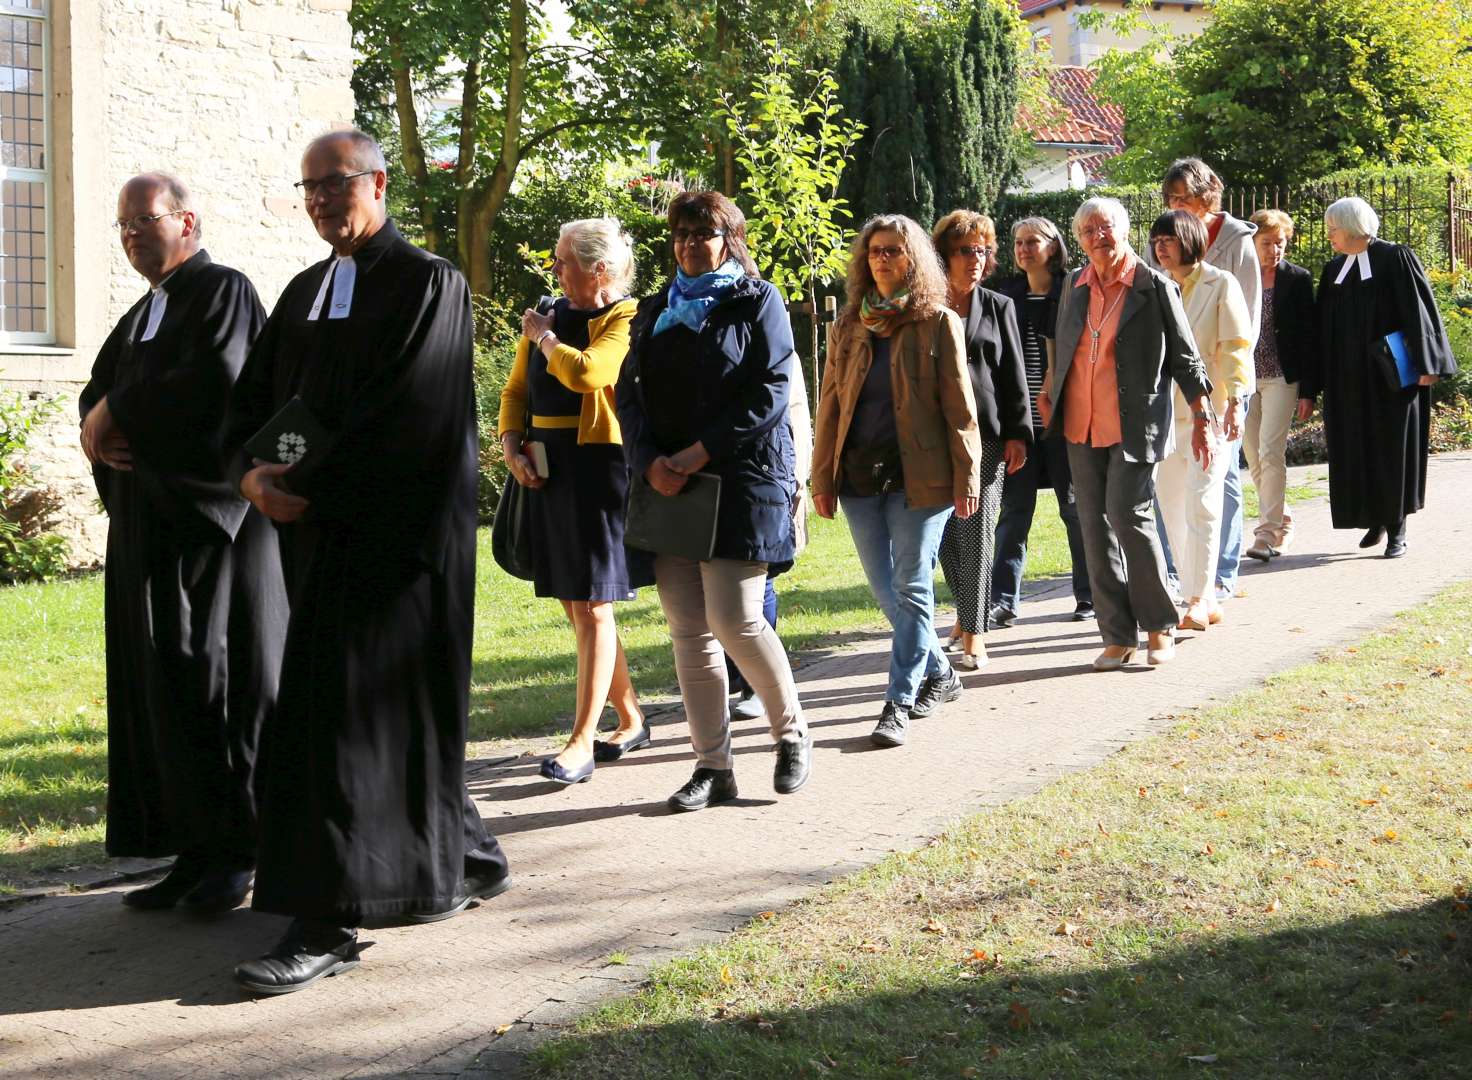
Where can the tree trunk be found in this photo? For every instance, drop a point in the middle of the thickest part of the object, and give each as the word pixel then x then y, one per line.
pixel 465 164
pixel 480 206
pixel 724 146
pixel 411 146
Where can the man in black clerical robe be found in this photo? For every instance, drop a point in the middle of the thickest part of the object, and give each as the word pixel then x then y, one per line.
pixel 364 814
pixel 1377 430
pixel 195 605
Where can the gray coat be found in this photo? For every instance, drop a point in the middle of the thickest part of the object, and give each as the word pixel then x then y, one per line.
pixel 1153 347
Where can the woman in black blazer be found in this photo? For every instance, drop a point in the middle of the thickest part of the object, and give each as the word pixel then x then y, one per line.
pixel 1287 334
pixel 967 242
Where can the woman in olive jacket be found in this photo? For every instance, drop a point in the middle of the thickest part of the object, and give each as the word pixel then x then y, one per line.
pixel 896 437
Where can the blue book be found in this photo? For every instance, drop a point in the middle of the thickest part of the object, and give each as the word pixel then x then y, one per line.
pixel 1395 341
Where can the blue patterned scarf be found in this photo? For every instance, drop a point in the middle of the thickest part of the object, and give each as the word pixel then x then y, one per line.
pixel 691 298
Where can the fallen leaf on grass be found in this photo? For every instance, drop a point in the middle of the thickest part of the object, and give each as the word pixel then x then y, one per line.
pixel 1066 929
pixel 933 927
pixel 993 1051
pixel 970 1070
pixel 907 1060
pixel 870 946
pixel 1020 1018
pixel 1323 864
pixel 1369 802
pixel 1208 850
pixel 978 956
pixel 1448 1017
pixel 1102 829
pixel 503 1029
pixel 1273 908
pixel 1144 793
pixel 726 975
pixel 1204 1059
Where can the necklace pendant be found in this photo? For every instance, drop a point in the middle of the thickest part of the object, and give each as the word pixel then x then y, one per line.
pixel 1094 334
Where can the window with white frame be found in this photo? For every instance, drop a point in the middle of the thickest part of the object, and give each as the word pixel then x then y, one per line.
pixel 25 235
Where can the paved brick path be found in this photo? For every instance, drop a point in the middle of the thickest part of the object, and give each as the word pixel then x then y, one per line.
pixel 88 988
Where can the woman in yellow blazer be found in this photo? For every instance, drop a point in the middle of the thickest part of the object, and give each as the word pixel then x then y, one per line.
pixel 1190 497
pixel 567 363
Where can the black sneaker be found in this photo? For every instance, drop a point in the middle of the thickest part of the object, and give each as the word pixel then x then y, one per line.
pixel 893 723
pixel 1001 615
pixel 1083 611
pixel 705 786
pixel 794 763
pixel 934 692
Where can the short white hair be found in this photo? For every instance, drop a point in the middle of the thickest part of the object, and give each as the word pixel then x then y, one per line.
pixel 1112 210
pixel 602 240
pixel 1354 216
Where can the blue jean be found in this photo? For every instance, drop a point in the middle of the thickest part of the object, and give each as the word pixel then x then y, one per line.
pixel 897 547
pixel 1047 463
pixel 1230 558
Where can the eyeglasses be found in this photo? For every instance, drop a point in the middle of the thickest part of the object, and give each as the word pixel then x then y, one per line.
pixel 884 254
pixel 968 250
pixel 1156 241
pixel 1104 229
pixel 696 236
pixel 143 221
pixel 332 185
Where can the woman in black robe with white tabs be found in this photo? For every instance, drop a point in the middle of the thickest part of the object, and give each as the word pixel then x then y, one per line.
pixel 1376 421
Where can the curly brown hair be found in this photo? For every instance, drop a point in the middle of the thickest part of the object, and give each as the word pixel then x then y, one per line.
pixel 926 279
pixel 950 230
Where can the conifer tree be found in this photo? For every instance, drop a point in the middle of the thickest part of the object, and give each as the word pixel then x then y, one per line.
pixel 899 177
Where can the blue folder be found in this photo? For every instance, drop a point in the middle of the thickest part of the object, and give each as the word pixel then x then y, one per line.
pixel 1395 341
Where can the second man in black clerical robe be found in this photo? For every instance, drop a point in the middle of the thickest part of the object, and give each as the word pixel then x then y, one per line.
pixel 195 606
pixel 1377 419
pixel 364 813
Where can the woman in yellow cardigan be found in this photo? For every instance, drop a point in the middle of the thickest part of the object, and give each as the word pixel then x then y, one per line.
pixel 567 363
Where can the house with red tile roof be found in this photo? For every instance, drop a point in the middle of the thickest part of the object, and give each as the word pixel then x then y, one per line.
pixel 1075 138
pixel 1055 24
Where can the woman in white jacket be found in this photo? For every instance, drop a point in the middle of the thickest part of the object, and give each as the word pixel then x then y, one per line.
pixel 1191 497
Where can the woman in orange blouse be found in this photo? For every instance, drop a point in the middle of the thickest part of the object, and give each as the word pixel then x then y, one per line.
pixel 1121 338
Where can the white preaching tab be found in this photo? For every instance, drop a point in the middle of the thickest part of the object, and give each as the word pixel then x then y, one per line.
pixel 1363 261
pixel 344 275
pixel 156 305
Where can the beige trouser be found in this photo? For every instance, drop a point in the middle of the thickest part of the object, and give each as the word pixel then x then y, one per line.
pixel 1265 442
pixel 715 608
pixel 1191 507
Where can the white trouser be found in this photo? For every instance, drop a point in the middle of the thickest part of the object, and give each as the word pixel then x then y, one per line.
pixel 1265 442
pixel 1191 507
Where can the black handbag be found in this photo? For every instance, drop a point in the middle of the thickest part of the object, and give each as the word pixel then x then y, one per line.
pixel 511 531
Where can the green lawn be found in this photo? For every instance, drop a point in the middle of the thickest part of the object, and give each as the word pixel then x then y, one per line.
pixel 53 740
pixel 1276 888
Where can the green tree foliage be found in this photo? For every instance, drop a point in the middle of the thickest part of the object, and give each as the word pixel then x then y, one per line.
pixel 899 177
pixel 792 152
pixel 522 90
pixel 27 551
pixel 1275 91
pixel 939 102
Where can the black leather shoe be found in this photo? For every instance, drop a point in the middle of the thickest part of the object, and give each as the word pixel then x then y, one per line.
pixel 186 873
pixel 221 890
pixel 794 763
pixel 935 691
pixel 704 788
pixel 303 956
pixel 1396 548
pixel 1001 616
pixel 1083 611
pixel 612 751
pixel 474 887
pixel 558 775
pixel 894 721
pixel 1373 537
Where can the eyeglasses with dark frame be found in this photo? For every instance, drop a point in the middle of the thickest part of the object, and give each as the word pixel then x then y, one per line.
pixel 143 221
pixel 966 251
pixel 696 236
pixel 332 185
pixel 886 252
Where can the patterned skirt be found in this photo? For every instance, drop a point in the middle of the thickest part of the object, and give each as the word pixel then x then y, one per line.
pixel 968 547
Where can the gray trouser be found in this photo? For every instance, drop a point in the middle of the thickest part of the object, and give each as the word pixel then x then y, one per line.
pixel 1116 510
pixel 715 608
